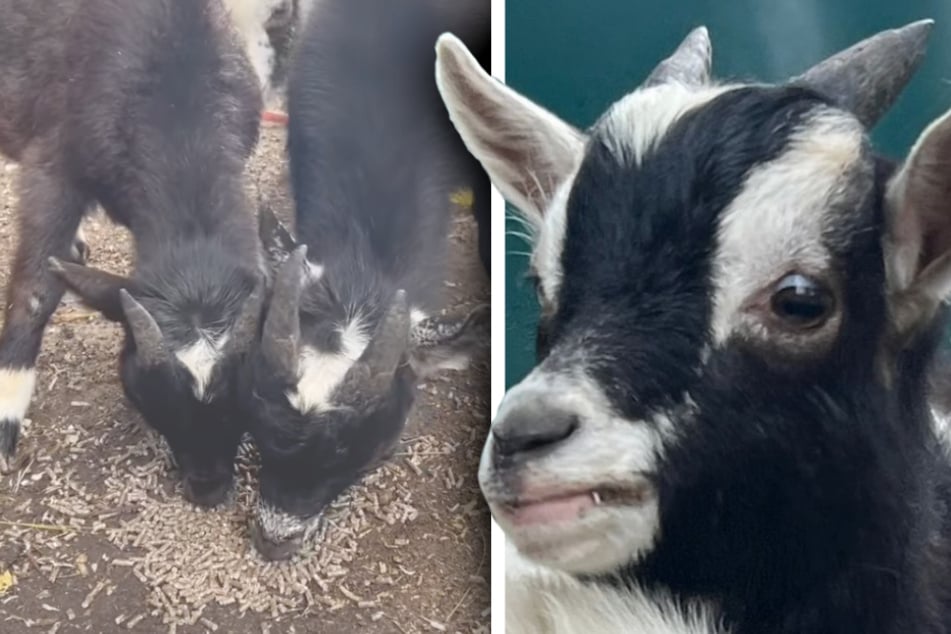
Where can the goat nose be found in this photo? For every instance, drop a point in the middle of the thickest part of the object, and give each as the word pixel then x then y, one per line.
pixel 532 428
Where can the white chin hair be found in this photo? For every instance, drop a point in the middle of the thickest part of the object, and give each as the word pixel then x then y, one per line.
pixel 601 542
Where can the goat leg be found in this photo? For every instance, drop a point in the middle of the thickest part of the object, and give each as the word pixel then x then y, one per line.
pixel 49 212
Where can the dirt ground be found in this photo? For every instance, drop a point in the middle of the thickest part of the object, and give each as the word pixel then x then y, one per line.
pixel 95 536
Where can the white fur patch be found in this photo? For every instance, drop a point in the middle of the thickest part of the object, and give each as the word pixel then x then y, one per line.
pixel 200 359
pixel 630 129
pixel 546 256
pixel 279 526
pixel 539 600
pixel 416 316
pixel 605 451
pixel 775 224
pixel 942 426
pixel 315 271
pixel 250 18
pixel 637 123
pixel 322 372
pixel 16 390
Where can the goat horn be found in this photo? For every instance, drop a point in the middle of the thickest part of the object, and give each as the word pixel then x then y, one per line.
pixel 149 343
pixel 279 341
pixel 867 77
pixel 392 337
pixel 688 65
pixel 245 328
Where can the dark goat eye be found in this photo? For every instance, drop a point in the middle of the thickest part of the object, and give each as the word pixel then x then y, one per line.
pixel 537 287
pixel 802 302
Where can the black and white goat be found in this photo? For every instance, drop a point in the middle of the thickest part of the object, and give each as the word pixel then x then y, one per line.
pixel 151 110
pixel 349 333
pixel 727 423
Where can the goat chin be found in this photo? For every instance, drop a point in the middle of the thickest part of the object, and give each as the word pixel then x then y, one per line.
pixel 539 600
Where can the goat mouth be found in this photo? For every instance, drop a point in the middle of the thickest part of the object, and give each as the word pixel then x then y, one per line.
pixel 572 505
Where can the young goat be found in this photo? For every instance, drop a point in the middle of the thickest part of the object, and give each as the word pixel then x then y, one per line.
pixel 740 302
pixel 151 110
pixel 348 334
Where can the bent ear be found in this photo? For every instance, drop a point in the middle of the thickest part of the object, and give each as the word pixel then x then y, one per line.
pixel 97 289
pixel 918 242
pixel 527 151
pixel 447 343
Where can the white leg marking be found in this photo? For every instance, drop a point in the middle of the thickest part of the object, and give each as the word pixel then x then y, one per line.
pixel 16 390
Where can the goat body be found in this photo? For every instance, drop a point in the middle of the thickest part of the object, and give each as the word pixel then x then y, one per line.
pixel 373 160
pixel 149 109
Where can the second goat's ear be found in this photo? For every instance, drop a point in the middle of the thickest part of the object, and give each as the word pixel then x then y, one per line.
pixel 527 151
pixel 918 244
pixel 97 289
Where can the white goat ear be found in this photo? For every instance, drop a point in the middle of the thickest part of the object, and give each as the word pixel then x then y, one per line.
pixel 526 150
pixel 918 244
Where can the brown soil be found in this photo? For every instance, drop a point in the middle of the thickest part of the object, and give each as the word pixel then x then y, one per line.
pixel 98 538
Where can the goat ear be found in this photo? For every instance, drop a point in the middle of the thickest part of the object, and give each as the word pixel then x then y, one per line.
pixel 447 343
pixel 97 289
pixel 275 238
pixel 918 242
pixel 527 151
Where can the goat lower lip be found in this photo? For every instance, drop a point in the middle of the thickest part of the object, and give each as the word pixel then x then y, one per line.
pixel 571 505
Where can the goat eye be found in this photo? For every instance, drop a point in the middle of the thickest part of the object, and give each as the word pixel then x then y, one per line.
pixel 537 286
pixel 802 302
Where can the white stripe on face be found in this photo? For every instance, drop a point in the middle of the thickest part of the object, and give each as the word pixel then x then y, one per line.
pixel 776 223
pixel 200 359
pixel 322 372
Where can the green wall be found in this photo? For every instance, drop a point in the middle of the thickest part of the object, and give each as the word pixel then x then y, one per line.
pixel 577 57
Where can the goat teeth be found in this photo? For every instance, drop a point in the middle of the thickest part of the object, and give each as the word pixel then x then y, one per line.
pixel 596 497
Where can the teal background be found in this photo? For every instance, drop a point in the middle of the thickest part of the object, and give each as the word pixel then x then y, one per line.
pixel 577 57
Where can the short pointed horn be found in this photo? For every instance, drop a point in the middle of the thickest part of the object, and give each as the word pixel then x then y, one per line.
pixel 867 78
pixel 688 65
pixel 149 343
pixel 245 329
pixel 391 339
pixel 281 336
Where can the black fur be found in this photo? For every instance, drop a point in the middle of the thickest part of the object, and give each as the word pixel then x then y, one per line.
pixel 807 497
pixel 373 159
pixel 151 110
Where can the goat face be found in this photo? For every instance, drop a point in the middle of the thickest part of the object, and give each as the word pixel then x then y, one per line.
pixel 726 273
pixel 332 387
pixel 189 320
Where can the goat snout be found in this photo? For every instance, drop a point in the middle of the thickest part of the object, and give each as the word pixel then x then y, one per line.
pixel 273 550
pixel 532 428
pixel 207 492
